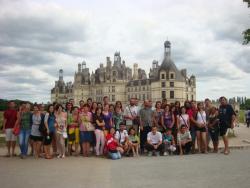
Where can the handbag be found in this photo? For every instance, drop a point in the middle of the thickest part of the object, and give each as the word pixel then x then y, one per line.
pixel 65 135
pixel 89 127
pixel 16 131
pixel 42 128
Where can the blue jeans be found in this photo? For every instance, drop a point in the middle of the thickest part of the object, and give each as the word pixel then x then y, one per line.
pixel 24 141
pixel 115 156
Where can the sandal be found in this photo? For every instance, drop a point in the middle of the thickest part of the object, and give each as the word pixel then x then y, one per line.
pixel 226 152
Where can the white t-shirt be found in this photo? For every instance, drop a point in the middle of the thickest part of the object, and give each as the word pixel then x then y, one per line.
pixel 130 111
pixel 121 136
pixel 183 118
pixel 154 138
pixel 201 117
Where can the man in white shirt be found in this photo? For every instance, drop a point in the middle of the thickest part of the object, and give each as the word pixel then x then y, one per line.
pixel 154 142
pixel 122 137
pixel 131 115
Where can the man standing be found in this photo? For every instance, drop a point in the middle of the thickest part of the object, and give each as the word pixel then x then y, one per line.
pixel 226 117
pixel 154 142
pixel 146 122
pixel 131 115
pixel 10 117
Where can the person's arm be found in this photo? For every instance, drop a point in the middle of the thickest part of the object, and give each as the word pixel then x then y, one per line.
pixel 173 120
pixel 46 122
pixel 4 124
pixel 178 121
pixel 154 118
pixel 173 141
pixel 126 114
pixel 141 122
pixel 149 140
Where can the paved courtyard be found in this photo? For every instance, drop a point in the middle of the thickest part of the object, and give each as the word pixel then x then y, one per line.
pixel 213 170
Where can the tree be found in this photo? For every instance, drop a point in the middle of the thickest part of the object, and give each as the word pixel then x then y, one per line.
pixel 246 33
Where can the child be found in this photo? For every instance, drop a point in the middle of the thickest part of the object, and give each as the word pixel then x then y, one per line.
pixel 122 137
pixel 133 142
pixel 168 141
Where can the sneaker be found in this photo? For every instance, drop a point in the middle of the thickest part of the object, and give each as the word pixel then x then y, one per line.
pixel 165 153
pixel 150 153
pixel 63 156
pixel 157 154
pixel 59 156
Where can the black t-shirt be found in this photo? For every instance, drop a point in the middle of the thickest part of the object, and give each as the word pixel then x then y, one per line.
pixel 225 115
pixel 100 119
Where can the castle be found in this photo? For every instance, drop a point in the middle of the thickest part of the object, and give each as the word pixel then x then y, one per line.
pixel 120 83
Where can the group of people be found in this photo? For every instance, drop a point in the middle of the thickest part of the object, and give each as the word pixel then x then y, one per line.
pixel 105 129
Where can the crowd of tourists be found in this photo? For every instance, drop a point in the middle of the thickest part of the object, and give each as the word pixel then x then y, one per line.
pixel 113 130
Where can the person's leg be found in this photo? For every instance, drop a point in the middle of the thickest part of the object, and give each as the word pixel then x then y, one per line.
pixel 8 140
pixel 193 135
pixel 54 143
pixel 87 148
pixel 39 145
pixel 102 143
pixel 63 149
pixel 204 140
pixel 225 140
pixel 26 141
pixel 149 148
pixel 137 149
pixel 98 141
pixel 58 145
pixel 187 147
pixel 22 141
pixel 198 137
pixel 143 138
pixel 34 148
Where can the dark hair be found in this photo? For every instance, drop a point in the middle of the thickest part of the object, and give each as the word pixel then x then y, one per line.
pixel 182 108
pixel 222 97
pixel 157 102
pixel 118 102
pixel 131 128
pixel 153 126
pixel 85 105
pixel 122 123
pixel 168 129
pixel 89 99
pixel 98 108
pixel 58 106
pixel 49 107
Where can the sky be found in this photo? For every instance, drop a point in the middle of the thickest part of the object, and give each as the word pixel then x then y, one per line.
pixel 37 38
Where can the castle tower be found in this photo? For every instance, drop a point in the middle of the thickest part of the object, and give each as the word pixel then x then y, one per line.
pixel 83 65
pixel 61 75
pixel 79 67
pixel 167 48
pixel 135 72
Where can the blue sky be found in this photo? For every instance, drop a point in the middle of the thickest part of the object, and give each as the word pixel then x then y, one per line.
pixel 37 38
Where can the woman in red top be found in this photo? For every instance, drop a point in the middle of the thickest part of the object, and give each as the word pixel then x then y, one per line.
pixel 114 151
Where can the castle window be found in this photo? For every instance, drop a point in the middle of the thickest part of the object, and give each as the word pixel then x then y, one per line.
pixel 114 73
pixel 113 98
pixel 114 80
pixel 163 84
pixel 128 97
pixel 162 76
pixel 171 84
pixel 143 97
pixel 128 89
pixel 192 97
pixel 135 88
pixel 171 94
pixel 113 88
pixel 187 96
pixel 163 94
pixel 171 75
pixel 143 88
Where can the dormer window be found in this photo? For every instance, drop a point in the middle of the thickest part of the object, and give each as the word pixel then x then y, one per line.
pixel 162 76
pixel 171 75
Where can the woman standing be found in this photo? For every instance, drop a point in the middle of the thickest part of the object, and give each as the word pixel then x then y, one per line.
pixel 183 119
pixel 25 121
pixel 36 136
pixel 213 127
pixel 61 130
pixel 201 128
pixel 99 131
pixel 168 118
pixel 158 117
pixel 86 129
pixel 107 116
pixel 73 129
pixel 117 117
pixel 49 122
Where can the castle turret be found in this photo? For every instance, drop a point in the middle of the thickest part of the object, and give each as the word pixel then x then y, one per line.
pixel 61 75
pixel 135 71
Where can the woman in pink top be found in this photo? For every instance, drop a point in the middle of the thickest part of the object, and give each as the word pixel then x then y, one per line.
pixel 86 129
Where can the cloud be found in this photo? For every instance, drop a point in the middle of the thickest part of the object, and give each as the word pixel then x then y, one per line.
pixel 39 38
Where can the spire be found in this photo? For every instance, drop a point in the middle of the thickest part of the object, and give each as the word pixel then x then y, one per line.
pixel 167 48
